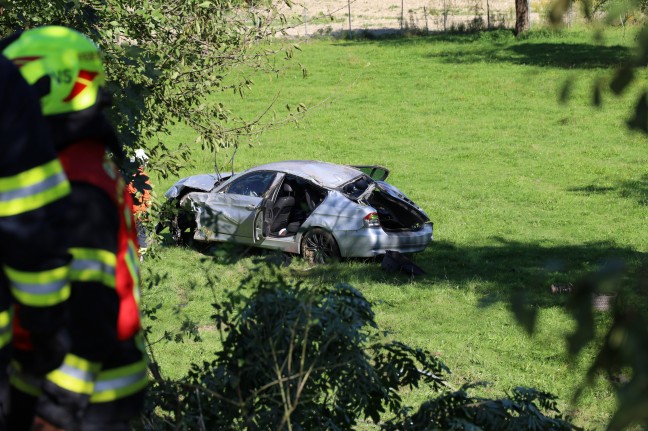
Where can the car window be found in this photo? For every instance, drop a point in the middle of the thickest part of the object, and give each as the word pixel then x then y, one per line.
pixel 254 184
pixel 356 187
pixel 377 173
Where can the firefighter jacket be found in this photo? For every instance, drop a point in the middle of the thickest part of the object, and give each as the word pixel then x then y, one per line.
pixel 140 191
pixel 104 375
pixel 33 254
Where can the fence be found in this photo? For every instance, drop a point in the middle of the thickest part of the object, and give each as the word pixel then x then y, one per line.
pixel 313 17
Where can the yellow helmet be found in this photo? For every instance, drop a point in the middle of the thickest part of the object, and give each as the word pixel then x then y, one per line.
pixel 70 60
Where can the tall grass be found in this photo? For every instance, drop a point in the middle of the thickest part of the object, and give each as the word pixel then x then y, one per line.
pixel 524 191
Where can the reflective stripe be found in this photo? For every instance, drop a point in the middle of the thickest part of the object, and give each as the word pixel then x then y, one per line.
pixel 39 289
pixel 25 383
pixel 91 264
pixel 127 217
pixel 32 189
pixel 5 328
pixel 121 382
pixel 132 262
pixel 75 374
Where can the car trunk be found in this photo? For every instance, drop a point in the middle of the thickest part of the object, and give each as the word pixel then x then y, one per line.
pixel 394 213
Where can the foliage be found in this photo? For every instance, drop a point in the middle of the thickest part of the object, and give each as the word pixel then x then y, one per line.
pixel 303 357
pixel 622 356
pixel 522 410
pixel 298 357
pixel 563 194
pixel 164 59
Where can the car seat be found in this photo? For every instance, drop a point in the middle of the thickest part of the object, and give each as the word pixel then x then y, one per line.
pixel 281 209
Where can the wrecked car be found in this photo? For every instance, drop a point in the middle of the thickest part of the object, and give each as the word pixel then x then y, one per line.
pixel 322 211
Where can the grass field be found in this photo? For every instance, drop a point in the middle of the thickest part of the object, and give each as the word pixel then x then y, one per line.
pixel 524 191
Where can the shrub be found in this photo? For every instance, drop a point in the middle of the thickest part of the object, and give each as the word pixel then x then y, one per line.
pixel 303 357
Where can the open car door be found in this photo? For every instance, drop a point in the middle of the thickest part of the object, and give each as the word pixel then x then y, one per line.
pixel 377 173
pixel 264 215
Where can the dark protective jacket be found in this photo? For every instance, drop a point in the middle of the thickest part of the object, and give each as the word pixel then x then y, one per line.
pixel 33 252
pixel 103 377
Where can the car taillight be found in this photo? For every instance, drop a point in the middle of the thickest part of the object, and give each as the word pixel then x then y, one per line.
pixel 371 220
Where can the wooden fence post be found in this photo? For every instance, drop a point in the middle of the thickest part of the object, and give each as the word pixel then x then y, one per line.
pixel 488 24
pixel 349 6
pixel 427 28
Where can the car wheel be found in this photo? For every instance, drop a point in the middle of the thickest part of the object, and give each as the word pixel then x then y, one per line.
pixel 178 227
pixel 319 247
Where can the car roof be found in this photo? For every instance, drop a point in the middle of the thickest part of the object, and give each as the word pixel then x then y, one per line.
pixel 326 174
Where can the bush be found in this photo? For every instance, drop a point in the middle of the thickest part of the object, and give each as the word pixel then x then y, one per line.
pixel 305 357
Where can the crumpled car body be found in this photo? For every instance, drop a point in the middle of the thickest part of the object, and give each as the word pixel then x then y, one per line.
pixel 317 209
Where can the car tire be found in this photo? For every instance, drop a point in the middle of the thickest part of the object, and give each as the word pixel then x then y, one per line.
pixel 319 247
pixel 178 227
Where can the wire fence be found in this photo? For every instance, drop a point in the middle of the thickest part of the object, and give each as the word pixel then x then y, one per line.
pixel 321 17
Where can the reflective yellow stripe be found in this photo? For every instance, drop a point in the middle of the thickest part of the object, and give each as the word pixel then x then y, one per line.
pixel 132 262
pixel 5 328
pixel 39 289
pixel 25 383
pixel 120 382
pixel 75 374
pixel 33 188
pixel 92 264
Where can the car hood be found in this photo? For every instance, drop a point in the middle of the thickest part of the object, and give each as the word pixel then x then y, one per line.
pixel 203 182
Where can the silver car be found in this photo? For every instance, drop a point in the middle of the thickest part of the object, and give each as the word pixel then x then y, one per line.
pixel 320 210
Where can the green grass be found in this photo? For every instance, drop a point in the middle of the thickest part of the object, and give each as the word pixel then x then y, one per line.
pixel 523 191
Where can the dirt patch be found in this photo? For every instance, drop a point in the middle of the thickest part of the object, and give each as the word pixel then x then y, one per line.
pixel 313 17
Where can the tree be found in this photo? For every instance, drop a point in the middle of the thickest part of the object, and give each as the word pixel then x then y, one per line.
pixel 521 16
pixel 304 357
pixel 166 60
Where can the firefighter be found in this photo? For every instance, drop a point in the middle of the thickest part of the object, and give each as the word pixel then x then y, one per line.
pixel 34 261
pixel 140 190
pixel 101 383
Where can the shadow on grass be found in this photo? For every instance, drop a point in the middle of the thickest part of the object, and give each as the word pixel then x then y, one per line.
pixel 499 271
pixel 501 46
pixel 226 253
pixel 569 55
pixel 559 55
pixel 636 190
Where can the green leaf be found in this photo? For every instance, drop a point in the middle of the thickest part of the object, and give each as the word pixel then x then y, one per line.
pixel 586 8
pixel 622 78
pixel 524 312
pixel 566 89
pixel 597 98
pixel 640 119
pixel 558 10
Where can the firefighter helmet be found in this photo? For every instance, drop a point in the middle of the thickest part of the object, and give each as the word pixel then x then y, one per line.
pixel 67 59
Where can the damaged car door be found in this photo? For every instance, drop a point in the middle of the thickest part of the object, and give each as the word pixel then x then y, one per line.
pixel 230 213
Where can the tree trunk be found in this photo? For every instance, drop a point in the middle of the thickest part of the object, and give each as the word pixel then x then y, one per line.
pixel 521 17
